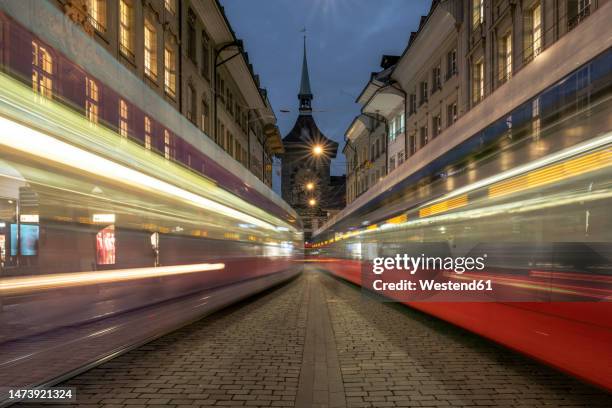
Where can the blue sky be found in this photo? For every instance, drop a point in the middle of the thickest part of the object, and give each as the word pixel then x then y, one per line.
pixel 345 41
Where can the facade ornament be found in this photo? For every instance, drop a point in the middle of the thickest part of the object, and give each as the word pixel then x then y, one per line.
pixel 76 10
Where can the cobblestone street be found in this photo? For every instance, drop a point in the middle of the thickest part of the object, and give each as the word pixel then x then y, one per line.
pixel 318 342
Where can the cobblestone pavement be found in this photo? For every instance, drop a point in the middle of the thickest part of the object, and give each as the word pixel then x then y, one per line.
pixel 318 342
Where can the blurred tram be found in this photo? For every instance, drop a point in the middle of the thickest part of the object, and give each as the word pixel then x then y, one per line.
pixel 532 191
pixel 109 240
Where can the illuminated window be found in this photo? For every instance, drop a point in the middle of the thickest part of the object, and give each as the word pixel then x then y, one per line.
pixel 96 13
pixel 91 100
pixel 536 18
pixel 170 5
pixel 477 13
pixel 506 58
pixel 148 133
pixel 392 130
pixel 169 70
pixel 478 81
pixel 123 118
pixel 167 145
pixel 126 32
pixel 150 50
pixel 42 70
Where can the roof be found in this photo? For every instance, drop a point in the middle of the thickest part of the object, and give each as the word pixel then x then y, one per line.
pixel 305 90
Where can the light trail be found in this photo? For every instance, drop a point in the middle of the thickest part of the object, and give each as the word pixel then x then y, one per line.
pixel 29 284
pixel 33 142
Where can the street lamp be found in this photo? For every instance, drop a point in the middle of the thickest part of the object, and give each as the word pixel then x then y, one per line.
pixel 310 186
pixel 317 150
pixel 312 202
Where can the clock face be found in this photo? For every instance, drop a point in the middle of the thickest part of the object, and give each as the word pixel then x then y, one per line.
pixel 306 186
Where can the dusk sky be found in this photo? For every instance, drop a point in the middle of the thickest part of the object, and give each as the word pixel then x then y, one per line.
pixel 345 42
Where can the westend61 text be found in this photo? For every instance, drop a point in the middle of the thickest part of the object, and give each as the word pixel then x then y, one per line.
pixel 430 285
pixel 412 264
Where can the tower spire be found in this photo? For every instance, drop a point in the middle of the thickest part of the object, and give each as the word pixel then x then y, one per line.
pixel 305 95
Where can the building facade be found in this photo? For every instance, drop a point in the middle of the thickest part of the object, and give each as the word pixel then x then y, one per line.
pixel 462 52
pixel 187 53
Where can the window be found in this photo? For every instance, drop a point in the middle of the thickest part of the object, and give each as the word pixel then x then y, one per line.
pixel 423 136
pixel 413 145
pixel 451 114
pixel 96 14
pixel 148 133
pixel 377 148
pixel 92 97
pixel 535 114
pixel 436 124
pixel 400 158
pixel 477 13
pixel 230 102
pixel 169 70
pixel 392 129
pixel 412 104
pixel 42 70
pixel 423 92
pixel 436 82
pixel 537 30
pixel 126 32
pixel 167 145
pixel 205 115
pixel 123 118
pixel 191 36
pixel 477 81
pixel 170 6
pixel 205 56
pixel 533 33
pixel 505 58
pixel 221 137
pixel 237 151
pixel 230 143
pixel 191 103
pixel 150 50
pixel 578 10
pixel 391 163
pixel 372 152
pixel 451 63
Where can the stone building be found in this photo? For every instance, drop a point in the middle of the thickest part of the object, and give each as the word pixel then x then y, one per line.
pixel 187 52
pixel 462 52
pixel 305 173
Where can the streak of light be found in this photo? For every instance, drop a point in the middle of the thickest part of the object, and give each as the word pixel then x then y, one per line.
pixel 28 284
pixel 33 142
